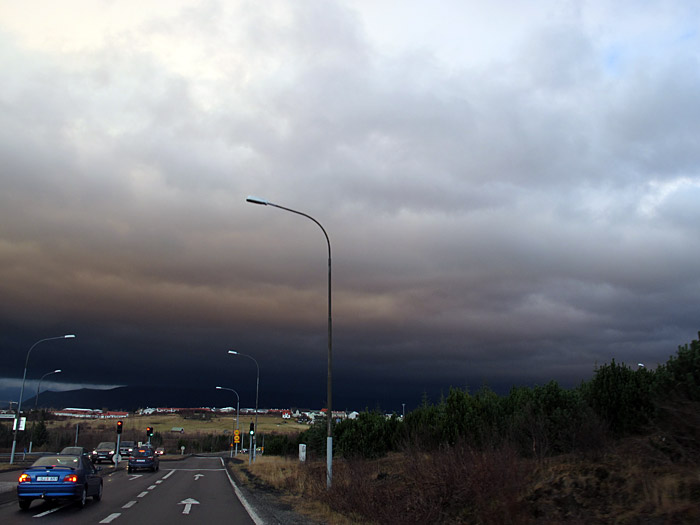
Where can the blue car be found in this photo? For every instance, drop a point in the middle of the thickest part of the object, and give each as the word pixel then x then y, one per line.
pixel 59 477
pixel 143 458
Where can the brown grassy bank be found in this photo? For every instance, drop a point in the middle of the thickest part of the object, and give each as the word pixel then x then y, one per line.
pixel 631 483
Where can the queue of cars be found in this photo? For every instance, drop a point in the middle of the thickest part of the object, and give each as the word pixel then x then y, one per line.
pixel 73 475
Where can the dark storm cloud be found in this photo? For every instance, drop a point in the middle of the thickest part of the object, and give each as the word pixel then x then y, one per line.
pixel 506 220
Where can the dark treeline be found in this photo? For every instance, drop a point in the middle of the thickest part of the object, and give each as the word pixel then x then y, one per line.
pixel 536 422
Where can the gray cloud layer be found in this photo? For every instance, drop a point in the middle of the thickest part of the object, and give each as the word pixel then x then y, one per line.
pixel 507 215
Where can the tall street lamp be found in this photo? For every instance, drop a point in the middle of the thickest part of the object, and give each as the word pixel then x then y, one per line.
pixel 257 389
pixel 24 378
pixel 238 403
pixel 36 402
pixel 329 439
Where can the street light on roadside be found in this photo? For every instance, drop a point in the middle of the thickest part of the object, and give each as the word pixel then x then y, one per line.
pixel 238 403
pixel 329 439
pixel 36 402
pixel 257 389
pixel 24 378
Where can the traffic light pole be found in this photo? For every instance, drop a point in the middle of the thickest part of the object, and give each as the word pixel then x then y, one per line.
pixel 117 452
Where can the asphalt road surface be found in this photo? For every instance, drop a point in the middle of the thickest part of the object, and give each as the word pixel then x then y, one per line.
pixel 197 490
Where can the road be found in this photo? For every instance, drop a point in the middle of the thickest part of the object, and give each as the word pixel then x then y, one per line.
pixel 195 490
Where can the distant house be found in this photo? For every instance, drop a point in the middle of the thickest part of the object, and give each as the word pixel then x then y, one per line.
pixel 178 429
pixel 353 415
pixel 88 413
pixel 286 414
pixel 114 415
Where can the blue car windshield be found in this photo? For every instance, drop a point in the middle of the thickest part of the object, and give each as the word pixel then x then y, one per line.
pixel 57 461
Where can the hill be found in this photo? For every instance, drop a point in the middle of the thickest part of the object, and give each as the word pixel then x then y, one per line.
pixel 131 398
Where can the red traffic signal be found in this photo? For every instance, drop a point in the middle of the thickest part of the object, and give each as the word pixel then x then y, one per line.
pixel 149 431
pixel 119 427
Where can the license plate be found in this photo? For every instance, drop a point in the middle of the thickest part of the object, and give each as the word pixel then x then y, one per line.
pixel 140 461
pixel 47 478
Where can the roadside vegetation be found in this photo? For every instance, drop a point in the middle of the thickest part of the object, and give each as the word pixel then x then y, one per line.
pixel 621 448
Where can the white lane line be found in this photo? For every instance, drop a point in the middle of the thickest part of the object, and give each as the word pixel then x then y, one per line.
pixel 111 517
pixel 49 511
pixel 159 482
pixel 142 495
pixel 194 470
pixel 168 474
pixel 151 487
pixel 251 512
pixel 129 505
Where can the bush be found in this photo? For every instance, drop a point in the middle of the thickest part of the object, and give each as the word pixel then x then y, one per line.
pixel 623 398
pixel 281 445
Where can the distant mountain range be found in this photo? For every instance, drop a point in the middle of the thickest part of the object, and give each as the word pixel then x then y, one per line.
pixel 128 398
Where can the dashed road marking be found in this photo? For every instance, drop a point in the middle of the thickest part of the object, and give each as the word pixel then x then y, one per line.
pixel 111 517
pixel 50 511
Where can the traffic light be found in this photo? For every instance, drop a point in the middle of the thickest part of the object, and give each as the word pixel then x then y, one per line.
pixel 119 427
pixel 252 428
pixel 149 431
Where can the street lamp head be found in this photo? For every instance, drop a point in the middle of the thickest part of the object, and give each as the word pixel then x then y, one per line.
pixel 257 200
pixel 69 336
pixel 219 388
pixel 233 352
pixel 57 371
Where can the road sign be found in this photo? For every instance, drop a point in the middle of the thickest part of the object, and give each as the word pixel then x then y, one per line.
pixel 236 439
pixel 22 423
pixel 116 458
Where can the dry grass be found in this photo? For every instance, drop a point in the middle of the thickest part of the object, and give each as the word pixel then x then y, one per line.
pixel 630 484
pixel 165 422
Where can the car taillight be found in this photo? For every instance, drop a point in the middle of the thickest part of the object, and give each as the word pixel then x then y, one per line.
pixel 25 478
pixel 70 478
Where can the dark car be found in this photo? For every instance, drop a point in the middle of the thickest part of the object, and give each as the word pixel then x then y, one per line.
pixel 143 458
pixel 126 448
pixel 74 451
pixel 59 477
pixel 104 451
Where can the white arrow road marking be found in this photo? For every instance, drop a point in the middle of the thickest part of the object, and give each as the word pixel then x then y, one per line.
pixel 197 476
pixel 135 476
pixel 188 504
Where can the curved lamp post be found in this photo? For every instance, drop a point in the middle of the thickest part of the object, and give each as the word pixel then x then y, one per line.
pixel 36 402
pixel 329 439
pixel 257 389
pixel 24 378
pixel 238 403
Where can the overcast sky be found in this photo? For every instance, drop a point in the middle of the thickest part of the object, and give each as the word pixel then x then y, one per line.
pixel 510 190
